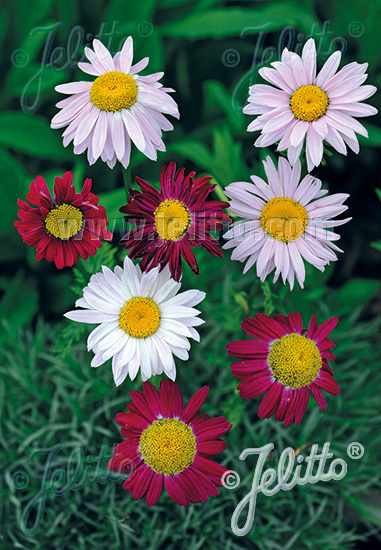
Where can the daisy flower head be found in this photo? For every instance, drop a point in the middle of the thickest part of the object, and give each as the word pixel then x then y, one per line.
pixel 173 220
pixel 169 445
pixel 104 115
pixel 63 228
pixel 286 362
pixel 285 222
pixel 300 105
pixel 143 320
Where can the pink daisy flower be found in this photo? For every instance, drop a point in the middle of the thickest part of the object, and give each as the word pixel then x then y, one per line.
pixel 285 222
pixel 169 445
pixel 104 115
pixel 62 229
pixel 300 105
pixel 172 221
pixel 286 362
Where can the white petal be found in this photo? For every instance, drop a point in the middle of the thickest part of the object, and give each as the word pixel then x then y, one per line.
pixel 140 66
pixel 103 55
pixel 118 135
pixel 126 54
pixel 90 316
pixel 329 69
pixel 133 129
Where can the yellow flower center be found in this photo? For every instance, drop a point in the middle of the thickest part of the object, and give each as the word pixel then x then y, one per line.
pixel 172 219
pixel 114 91
pixel 64 222
pixel 295 360
pixel 140 317
pixel 309 103
pixel 168 446
pixel 284 219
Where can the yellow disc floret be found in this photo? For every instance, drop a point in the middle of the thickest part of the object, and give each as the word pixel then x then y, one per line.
pixel 284 219
pixel 64 222
pixel 140 317
pixel 295 360
pixel 172 219
pixel 114 91
pixel 168 446
pixel 309 103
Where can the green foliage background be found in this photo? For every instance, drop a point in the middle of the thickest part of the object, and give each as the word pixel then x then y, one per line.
pixel 49 395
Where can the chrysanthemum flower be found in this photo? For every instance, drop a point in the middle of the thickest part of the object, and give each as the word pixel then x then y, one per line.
pixel 173 220
pixel 171 445
pixel 143 320
pixel 301 105
pixel 286 362
pixel 285 223
pixel 62 229
pixel 104 115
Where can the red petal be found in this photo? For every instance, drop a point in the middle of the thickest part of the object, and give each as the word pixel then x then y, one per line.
pixel 175 492
pixel 155 489
pixel 194 404
pixel 270 400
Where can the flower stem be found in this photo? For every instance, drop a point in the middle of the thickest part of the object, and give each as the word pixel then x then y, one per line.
pixel 268 301
pixel 127 179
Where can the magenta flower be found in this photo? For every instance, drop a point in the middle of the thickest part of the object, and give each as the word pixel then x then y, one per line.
pixel 169 445
pixel 286 363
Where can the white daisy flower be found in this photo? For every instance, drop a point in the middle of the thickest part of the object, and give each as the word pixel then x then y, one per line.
pixel 286 221
pixel 143 321
pixel 301 106
pixel 104 115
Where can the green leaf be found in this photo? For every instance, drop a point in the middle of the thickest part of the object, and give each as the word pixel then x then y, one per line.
pixel 12 247
pixel 151 46
pixel 193 150
pixel 68 13
pixel 224 163
pixel 70 334
pixel 134 12
pixel 217 95
pixel 14 186
pixel 374 136
pixel 4 20
pixel 30 13
pixel 221 22
pixel 355 293
pixel 31 135
pixel 112 201
pixel 29 77
pixel 18 305
pixel 228 164
pixel 33 80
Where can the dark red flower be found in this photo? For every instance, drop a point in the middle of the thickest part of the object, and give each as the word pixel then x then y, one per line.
pixel 172 221
pixel 286 362
pixel 171 445
pixel 62 229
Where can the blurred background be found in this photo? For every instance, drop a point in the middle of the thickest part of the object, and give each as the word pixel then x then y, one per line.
pixel 52 403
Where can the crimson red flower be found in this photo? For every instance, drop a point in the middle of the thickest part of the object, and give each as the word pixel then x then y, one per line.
pixel 169 444
pixel 62 229
pixel 286 362
pixel 173 220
